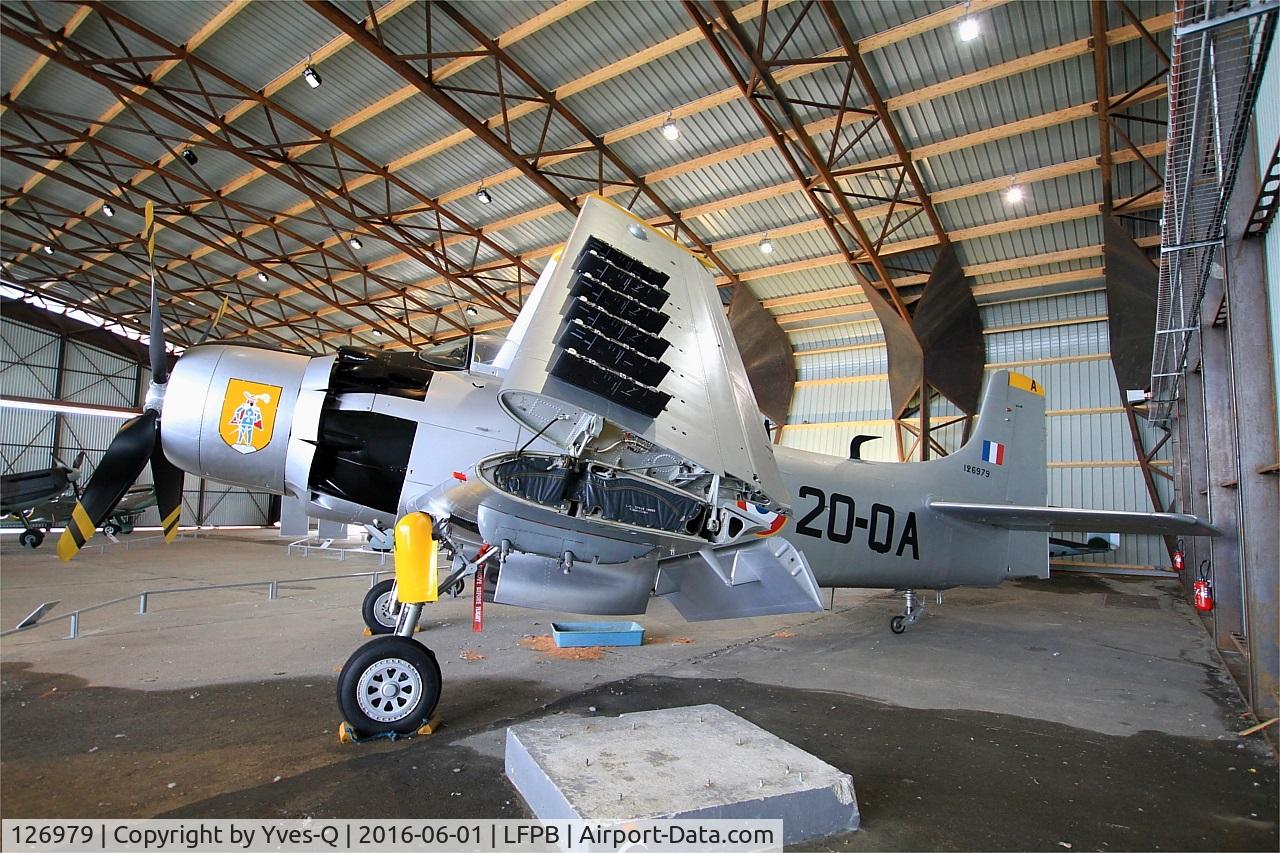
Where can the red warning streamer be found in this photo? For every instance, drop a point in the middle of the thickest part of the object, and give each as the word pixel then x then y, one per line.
pixel 477 602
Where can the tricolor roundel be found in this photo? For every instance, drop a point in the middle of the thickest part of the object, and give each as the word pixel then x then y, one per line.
pixel 993 452
pixel 772 520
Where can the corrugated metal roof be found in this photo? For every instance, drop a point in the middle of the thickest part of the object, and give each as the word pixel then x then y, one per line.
pixel 264 40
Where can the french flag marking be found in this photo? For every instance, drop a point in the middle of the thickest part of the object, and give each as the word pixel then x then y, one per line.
pixel 993 452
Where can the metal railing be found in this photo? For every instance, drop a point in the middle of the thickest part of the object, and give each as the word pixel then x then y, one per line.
pixel 272 587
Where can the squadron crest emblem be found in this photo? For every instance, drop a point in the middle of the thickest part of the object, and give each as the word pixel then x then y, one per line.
pixel 248 415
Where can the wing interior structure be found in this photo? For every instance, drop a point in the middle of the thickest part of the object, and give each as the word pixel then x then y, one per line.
pixel 626 363
pixel 1051 519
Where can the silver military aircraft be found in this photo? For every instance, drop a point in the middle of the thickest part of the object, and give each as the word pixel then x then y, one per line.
pixel 608 450
pixel 24 494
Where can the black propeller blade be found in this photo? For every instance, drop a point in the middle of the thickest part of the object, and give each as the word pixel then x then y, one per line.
pixel 168 479
pixel 136 442
pixel 123 462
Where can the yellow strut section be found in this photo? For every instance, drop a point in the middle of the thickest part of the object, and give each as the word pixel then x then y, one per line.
pixel 416 575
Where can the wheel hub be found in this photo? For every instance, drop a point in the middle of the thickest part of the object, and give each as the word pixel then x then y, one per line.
pixel 389 690
pixel 384 609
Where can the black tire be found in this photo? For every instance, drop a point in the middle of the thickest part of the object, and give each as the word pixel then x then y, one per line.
pixel 112 529
pixel 30 539
pixel 375 604
pixel 400 661
pixel 898 624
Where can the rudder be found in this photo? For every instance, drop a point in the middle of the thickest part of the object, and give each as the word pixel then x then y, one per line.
pixel 1004 459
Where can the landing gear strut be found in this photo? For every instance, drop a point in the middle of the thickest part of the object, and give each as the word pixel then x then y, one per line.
pixel 910 615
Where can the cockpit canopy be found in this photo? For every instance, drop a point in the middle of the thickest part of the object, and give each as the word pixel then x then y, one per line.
pixel 464 353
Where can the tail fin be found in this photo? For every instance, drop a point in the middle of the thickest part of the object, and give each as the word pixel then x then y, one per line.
pixel 1004 459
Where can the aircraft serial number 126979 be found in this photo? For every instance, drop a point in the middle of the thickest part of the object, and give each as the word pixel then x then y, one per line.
pixel 608 450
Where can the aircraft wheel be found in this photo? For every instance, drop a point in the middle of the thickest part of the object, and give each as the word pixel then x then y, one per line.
pixel 380 609
pixel 30 539
pixel 898 624
pixel 390 684
pixel 111 528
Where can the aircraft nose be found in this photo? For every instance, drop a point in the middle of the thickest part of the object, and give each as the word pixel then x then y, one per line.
pixel 229 411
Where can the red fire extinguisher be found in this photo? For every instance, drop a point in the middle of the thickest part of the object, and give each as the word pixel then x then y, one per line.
pixel 1202 590
pixel 1179 560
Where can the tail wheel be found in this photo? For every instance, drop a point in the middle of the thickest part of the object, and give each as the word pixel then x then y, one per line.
pixel 380 609
pixel 391 684
pixel 898 624
pixel 112 528
pixel 30 539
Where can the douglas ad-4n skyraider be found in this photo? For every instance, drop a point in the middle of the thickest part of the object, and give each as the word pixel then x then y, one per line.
pixel 607 451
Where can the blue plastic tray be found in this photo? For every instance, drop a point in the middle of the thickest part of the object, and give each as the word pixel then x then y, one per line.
pixel 578 634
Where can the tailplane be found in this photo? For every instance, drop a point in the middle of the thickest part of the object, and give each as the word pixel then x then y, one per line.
pixel 999 478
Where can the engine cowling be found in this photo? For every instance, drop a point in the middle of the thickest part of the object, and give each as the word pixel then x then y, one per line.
pixel 245 415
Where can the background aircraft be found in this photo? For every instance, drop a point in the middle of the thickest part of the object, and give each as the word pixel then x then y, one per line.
pixel 609 449
pixel 22 493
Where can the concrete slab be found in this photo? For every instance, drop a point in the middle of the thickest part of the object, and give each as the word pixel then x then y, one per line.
pixel 698 762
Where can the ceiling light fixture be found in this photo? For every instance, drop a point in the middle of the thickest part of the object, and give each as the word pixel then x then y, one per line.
pixel 355 243
pixel 262 277
pixel 670 129
pixel 1014 194
pixel 483 195
pixel 108 211
pixel 968 29
pixel 48 250
pixel 471 311
pixel 311 76
pixel 189 155
pixel 766 245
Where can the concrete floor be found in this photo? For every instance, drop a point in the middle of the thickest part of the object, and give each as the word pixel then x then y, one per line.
pixel 1076 713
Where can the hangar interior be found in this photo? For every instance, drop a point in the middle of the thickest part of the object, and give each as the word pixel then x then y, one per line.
pixel 1093 184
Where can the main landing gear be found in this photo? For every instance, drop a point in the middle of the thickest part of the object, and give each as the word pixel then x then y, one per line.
pixel 909 616
pixel 380 607
pixel 392 684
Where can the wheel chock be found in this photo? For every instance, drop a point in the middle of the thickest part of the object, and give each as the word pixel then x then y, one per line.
pixel 367 632
pixel 346 734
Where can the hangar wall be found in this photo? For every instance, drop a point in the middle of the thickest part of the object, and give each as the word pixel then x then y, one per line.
pixel 30 357
pixel 1061 341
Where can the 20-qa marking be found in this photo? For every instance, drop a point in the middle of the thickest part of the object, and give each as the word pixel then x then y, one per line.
pixel 842 519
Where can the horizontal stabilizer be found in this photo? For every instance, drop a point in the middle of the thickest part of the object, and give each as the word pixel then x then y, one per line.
pixel 1054 518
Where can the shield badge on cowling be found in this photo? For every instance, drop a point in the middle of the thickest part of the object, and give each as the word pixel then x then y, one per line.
pixel 248 415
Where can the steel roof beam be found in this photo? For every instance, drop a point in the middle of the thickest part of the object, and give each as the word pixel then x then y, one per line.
pixel 292 75
pixel 1119 34
pixel 140 306
pixel 632 178
pixel 367 221
pixel 129 239
pixel 206 221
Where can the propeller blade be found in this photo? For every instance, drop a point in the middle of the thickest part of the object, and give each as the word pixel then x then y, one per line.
pixel 79 460
pixel 159 358
pixel 213 324
pixel 119 468
pixel 168 479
